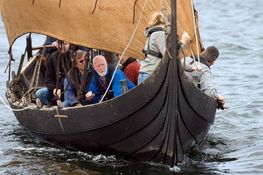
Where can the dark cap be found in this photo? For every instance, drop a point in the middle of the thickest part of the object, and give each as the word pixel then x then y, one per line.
pixel 211 53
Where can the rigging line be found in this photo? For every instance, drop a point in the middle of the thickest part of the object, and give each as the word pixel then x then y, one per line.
pixel 190 46
pixel 162 5
pixel 227 111
pixel 194 58
pixel 195 29
pixel 95 7
pixel 12 109
pixel 134 5
pixel 128 45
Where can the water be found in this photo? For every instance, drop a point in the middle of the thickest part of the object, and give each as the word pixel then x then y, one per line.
pixel 234 143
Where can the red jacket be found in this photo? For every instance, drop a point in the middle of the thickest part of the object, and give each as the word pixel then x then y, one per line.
pixel 132 71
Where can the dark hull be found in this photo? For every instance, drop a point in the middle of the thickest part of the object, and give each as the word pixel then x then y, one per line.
pixel 159 120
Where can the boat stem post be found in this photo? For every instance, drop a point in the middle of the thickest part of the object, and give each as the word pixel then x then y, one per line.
pixel 174 42
pixel 174 54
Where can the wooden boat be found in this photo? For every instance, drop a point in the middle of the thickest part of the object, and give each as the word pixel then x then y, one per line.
pixel 158 121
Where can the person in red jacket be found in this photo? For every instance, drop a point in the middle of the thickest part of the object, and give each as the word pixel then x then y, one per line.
pixel 130 66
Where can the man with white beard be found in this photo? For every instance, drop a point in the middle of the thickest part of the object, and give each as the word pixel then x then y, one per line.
pixel 102 78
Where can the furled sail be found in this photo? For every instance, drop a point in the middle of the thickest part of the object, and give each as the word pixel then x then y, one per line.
pixel 101 24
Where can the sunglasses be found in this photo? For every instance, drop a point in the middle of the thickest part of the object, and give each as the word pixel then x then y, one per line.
pixel 81 61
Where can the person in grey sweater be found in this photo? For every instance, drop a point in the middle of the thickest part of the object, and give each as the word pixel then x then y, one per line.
pixel 155 45
pixel 203 74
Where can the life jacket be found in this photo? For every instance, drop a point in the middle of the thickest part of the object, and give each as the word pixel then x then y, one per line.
pixel 149 51
pixel 102 89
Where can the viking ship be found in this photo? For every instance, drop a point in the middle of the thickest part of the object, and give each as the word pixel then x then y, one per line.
pixel 158 121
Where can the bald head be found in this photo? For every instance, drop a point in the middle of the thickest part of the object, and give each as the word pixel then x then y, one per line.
pixel 100 65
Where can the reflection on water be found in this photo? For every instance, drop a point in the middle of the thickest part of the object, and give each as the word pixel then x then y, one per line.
pixel 234 143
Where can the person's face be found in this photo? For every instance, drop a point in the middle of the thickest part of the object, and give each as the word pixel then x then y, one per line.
pixel 100 66
pixel 81 62
pixel 65 47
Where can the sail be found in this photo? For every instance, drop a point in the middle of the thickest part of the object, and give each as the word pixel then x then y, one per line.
pixel 111 25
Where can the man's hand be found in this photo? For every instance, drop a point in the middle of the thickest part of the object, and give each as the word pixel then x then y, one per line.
pixel 185 38
pixel 89 96
pixel 196 67
pixel 220 102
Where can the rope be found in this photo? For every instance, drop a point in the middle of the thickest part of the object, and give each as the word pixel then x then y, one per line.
pixel 189 45
pixel 12 109
pixel 128 45
pixel 162 4
pixel 195 28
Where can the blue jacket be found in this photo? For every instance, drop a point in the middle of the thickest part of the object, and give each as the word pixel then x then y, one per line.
pixel 70 91
pixel 116 85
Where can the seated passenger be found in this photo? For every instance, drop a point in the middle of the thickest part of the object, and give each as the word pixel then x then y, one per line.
pixel 58 64
pixel 130 67
pixel 102 78
pixel 203 76
pixel 76 83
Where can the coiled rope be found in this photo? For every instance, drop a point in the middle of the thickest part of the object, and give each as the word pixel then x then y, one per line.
pixel 15 110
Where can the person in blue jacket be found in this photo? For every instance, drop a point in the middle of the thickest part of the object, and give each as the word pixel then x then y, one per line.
pixel 77 81
pixel 101 79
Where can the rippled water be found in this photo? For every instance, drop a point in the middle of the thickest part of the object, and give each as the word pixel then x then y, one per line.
pixel 234 143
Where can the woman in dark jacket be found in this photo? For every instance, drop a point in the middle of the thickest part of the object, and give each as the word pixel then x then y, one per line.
pixel 76 84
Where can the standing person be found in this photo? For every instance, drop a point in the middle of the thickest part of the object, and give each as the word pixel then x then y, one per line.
pixel 203 76
pixel 58 64
pixel 102 78
pixel 76 84
pixel 155 45
pixel 130 66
